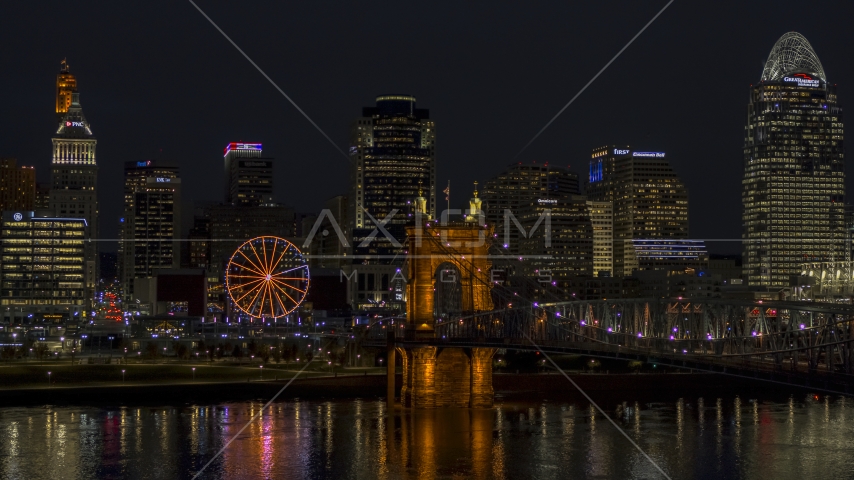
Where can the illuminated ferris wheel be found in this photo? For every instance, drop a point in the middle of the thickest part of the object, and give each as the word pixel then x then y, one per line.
pixel 267 277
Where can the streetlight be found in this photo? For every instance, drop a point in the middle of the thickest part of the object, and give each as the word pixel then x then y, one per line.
pixel 48 379
pixel 194 374
pixel 262 371
pixel 123 376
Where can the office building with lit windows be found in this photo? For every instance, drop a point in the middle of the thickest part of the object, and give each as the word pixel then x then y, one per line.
pixel 74 179
pixel 393 148
pixel 248 175
pixel 519 186
pixel 602 220
pixel 150 227
pixel 17 186
pixel 793 189
pixel 562 246
pixel 649 201
pixel 43 267
pixel 143 177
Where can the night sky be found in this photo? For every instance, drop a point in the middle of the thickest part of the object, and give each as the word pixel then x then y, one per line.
pixel 158 81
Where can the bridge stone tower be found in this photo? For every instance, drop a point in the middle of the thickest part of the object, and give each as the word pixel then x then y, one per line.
pixel 435 375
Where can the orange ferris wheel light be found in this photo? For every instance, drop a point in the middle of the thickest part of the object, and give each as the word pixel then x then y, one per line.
pixel 267 277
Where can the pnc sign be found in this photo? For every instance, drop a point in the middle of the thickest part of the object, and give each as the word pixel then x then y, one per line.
pixel 75 124
pixel 803 80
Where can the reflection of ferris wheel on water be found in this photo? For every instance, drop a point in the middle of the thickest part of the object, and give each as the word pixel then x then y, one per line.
pixel 267 277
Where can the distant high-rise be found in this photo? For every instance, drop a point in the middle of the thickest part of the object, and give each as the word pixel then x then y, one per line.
pixel 74 179
pixel 602 218
pixel 793 190
pixel 566 249
pixel 393 148
pixel 17 186
pixel 66 84
pixel 520 185
pixel 649 202
pixel 248 175
pixel 151 218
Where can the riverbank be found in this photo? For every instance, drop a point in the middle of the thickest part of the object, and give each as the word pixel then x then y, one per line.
pixel 508 387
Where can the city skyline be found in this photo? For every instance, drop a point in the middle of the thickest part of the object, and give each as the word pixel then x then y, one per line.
pixel 504 240
pixel 702 147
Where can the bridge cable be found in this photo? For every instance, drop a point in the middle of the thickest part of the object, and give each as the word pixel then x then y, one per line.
pixel 257 415
pixel 608 417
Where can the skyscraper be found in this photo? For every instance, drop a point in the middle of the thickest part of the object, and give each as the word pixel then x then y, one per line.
pixel 151 218
pixel 602 218
pixel 565 250
pixel 519 186
pixel 649 202
pixel 248 175
pixel 17 186
pixel 66 84
pixel 393 148
pixel 74 176
pixel 793 191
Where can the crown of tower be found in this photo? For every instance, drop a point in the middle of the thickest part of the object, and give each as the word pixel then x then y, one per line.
pixel 792 54
pixel 73 123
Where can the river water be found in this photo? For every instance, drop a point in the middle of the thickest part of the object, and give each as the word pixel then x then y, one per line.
pixel 728 437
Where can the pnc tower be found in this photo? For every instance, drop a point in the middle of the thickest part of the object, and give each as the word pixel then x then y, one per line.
pixel 66 84
pixel 74 176
pixel 793 189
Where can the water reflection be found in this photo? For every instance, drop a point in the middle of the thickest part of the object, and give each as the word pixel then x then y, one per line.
pixel 733 437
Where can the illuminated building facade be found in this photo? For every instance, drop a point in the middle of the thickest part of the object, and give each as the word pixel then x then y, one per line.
pixel 793 190
pixel 66 84
pixel 561 248
pixel 142 176
pixel 516 188
pixel 17 186
pixel 602 219
pixel 665 254
pixel 393 148
pixel 248 175
pixel 74 178
pixel 43 266
pixel 152 217
pixel 649 200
